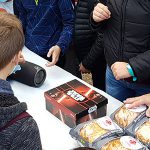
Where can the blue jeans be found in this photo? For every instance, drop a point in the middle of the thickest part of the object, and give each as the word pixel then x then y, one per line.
pixel 121 89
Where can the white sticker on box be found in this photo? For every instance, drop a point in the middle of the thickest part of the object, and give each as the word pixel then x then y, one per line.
pixel 106 123
pixel 92 109
pixel 130 143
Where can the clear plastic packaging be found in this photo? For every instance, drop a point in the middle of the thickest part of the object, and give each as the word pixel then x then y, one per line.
pixel 120 143
pixel 125 117
pixel 90 132
pixel 141 130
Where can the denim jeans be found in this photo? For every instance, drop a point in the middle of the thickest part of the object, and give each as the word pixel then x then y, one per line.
pixel 121 89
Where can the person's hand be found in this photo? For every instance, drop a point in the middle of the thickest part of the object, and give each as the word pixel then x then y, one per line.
pixel 120 71
pixel 54 52
pixel 21 58
pixel 100 13
pixel 83 69
pixel 138 101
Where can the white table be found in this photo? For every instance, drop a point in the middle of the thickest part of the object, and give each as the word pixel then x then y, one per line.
pixel 8 6
pixel 54 133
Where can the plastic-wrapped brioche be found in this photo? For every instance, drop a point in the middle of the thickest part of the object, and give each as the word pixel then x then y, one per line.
pixel 91 132
pixel 119 143
pixel 143 133
pixel 114 145
pixel 124 116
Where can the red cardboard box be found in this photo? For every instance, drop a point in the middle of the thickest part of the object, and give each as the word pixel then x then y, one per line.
pixel 74 103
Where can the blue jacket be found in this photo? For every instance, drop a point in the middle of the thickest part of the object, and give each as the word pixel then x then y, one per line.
pixel 48 23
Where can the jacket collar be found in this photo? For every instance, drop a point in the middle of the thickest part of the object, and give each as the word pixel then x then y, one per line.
pixel 5 87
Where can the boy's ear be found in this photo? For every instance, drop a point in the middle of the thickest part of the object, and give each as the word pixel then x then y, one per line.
pixel 16 58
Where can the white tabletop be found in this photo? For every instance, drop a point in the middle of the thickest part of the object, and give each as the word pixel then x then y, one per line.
pixel 8 6
pixel 54 133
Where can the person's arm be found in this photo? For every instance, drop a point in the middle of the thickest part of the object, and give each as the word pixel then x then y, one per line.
pixel 20 12
pixel 96 51
pixel 67 14
pixel 99 16
pixel 27 137
pixel 141 66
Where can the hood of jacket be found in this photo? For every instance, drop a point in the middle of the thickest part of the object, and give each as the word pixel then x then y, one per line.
pixel 10 107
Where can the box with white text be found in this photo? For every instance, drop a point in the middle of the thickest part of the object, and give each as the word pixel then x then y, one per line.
pixel 74 103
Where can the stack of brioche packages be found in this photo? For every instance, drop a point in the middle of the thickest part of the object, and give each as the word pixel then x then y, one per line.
pixel 125 129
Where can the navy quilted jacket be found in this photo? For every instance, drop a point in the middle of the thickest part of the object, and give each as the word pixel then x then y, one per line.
pixel 47 23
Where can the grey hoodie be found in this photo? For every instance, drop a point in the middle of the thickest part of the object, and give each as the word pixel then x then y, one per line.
pixel 23 134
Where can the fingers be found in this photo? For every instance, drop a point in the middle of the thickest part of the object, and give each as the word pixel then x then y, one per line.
pixel 100 13
pixel 54 52
pixel 82 69
pixel 116 76
pixel 52 63
pixel 135 102
pixel 50 52
pixel 130 100
pixel 103 10
pixel 54 60
pixel 115 73
pixel 112 66
pixel 148 112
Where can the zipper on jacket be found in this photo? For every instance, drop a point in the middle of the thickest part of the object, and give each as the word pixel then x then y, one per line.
pixel 122 29
pixel 36 2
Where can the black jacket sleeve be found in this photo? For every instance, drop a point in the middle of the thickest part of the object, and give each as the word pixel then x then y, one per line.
pixel 100 25
pixel 95 53
pixel 141 66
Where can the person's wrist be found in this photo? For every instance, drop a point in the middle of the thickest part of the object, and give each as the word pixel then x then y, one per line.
pixel 58 47
pixel 131 72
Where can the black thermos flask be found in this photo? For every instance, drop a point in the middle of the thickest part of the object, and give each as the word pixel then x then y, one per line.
pixel 30 74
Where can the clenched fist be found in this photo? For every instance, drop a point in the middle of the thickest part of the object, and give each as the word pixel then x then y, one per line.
pixel 120 71
pixel 101 13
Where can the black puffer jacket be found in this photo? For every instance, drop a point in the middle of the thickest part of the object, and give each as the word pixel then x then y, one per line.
pixel 127 35
pixel 85 39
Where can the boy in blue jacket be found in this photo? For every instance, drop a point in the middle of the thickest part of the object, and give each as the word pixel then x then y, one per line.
pixel 48 27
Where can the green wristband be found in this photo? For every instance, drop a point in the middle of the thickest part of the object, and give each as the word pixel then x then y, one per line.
pixel 131 72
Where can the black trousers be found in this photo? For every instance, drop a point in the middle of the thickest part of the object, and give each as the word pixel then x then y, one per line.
pixel 72 62
pixel 98 73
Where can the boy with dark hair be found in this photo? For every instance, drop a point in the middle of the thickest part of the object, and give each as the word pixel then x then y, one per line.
pixel 18 130
pixel 48 27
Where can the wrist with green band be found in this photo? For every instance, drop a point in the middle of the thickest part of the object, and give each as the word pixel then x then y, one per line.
pixel 130 70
